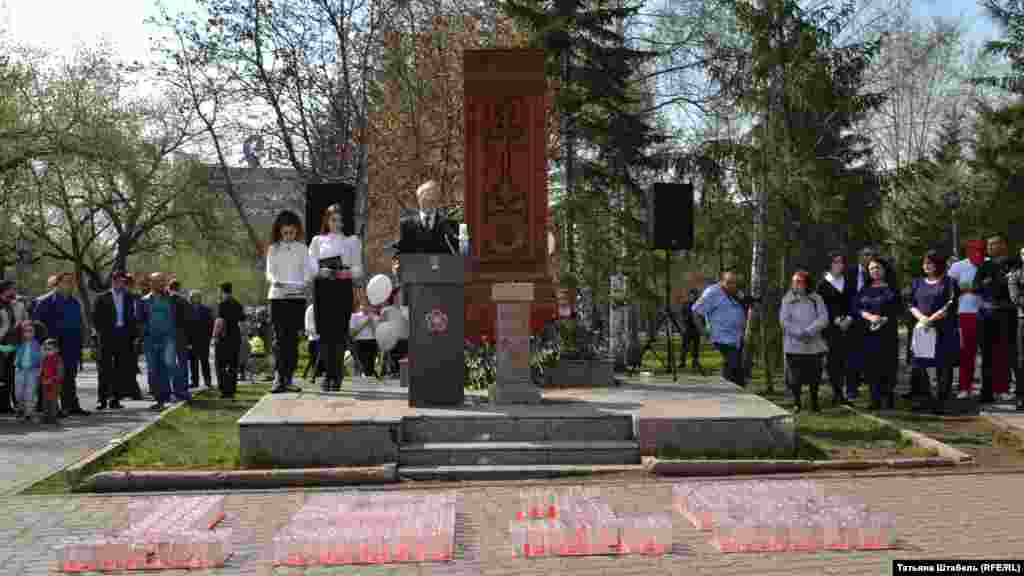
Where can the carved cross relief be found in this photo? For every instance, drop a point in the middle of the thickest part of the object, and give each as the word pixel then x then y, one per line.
pixel 506 204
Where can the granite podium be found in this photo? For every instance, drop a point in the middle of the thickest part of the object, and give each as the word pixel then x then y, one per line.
pixel 434 288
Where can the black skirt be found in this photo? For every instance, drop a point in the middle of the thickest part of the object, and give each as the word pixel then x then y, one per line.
pixel 332 308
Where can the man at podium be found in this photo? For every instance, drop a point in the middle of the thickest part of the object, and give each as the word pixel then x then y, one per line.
pixel 428 231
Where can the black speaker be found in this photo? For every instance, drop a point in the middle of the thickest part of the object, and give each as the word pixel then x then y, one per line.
pixel 671 216
pixel 321 196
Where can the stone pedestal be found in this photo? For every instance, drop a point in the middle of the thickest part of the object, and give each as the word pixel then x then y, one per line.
pixel 513 383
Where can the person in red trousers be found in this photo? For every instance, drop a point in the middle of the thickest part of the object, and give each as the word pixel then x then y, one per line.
pixel 963 273
pixel 51 378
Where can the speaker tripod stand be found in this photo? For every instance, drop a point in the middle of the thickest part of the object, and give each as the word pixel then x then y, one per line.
pixel 667 320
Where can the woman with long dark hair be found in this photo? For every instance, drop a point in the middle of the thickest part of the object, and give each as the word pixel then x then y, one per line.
pixel 288 272
pixel 338 258
pixel 879 307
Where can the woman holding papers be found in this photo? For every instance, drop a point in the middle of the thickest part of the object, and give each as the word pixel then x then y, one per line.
pixel 337 258
pixel 288 271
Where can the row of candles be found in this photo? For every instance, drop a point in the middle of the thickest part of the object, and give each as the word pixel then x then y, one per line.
pixel 633 534
pixel 370 528
pixel 755 516
pixel 173 532
pixel 574 523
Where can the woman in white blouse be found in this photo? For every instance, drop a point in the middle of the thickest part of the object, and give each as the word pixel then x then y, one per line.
pixel 288 272
pixel 338 259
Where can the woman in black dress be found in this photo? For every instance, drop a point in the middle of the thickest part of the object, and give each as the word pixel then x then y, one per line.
pixel 339 261
pixel 836 289
pixel 933 301
pixel 878 308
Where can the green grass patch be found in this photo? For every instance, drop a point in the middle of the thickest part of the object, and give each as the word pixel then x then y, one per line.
pixel 203 436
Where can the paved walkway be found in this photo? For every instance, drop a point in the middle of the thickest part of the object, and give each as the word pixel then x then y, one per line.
pixel 937 516
pixel 31 452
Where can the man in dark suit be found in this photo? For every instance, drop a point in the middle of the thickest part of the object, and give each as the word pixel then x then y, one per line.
pixel 228 334
pixel 199 333
pixel 61 313
pixel 428 231
pixel 116 324
pixel 858 279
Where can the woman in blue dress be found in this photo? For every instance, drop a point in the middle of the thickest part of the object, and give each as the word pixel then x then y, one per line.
pixel 933 302
pixel 878 308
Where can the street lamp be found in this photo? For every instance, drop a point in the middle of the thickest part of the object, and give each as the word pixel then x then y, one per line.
pixel 952 198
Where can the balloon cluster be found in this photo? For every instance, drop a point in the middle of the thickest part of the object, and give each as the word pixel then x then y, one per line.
pixel 395 325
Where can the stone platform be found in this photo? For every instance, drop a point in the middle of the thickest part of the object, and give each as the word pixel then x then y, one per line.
pixel 371 423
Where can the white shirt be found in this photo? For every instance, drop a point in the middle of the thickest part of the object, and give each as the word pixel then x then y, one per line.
pixel 963 272
pixel 311 324
pixel 350 248
pixel 360 321
pixel 426 218
pixel 288 270
pixel 837 283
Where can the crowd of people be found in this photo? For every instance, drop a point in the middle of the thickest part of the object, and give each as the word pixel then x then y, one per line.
pixel 174 330
pixel 153 318
pixel 848 324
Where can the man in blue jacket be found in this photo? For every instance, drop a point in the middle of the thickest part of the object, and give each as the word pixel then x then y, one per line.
pixel 61 313
pixel 725 314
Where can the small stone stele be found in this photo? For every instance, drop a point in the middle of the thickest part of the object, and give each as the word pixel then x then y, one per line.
pixel 513 382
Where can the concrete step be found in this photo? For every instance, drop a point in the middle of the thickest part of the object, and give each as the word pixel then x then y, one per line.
pixel 518 453
pixel 506 472
pixel 504 428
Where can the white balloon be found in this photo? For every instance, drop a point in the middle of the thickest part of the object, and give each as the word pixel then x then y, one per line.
pixel 378 289
pixel 387 335
pixel 391 314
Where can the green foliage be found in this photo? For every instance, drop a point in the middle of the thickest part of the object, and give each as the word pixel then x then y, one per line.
pixel 788 66
pixel 995 203
pixel 1009 15
pixel 610 131
pixel 480 366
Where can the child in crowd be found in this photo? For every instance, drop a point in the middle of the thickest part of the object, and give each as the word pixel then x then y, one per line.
pixel 27 361
pixel 52 378
pixel 361 331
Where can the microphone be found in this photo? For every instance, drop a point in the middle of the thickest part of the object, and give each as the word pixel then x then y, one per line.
pixel 448 241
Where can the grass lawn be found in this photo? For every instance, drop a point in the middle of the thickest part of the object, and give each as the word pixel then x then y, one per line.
pixel 988 444
pixel 201 436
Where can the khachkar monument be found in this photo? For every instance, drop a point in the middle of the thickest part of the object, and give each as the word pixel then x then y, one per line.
pixel 509 290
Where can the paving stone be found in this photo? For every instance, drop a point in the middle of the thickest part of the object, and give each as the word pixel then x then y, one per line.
pixel 31 452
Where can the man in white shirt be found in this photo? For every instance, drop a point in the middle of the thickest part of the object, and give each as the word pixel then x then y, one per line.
pixel 962 272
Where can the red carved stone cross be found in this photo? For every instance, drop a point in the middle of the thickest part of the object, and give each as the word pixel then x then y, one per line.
pixel 506 196
pixel 507 205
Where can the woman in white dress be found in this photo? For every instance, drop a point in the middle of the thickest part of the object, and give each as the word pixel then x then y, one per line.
pixel 338 258
pixel 288 271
